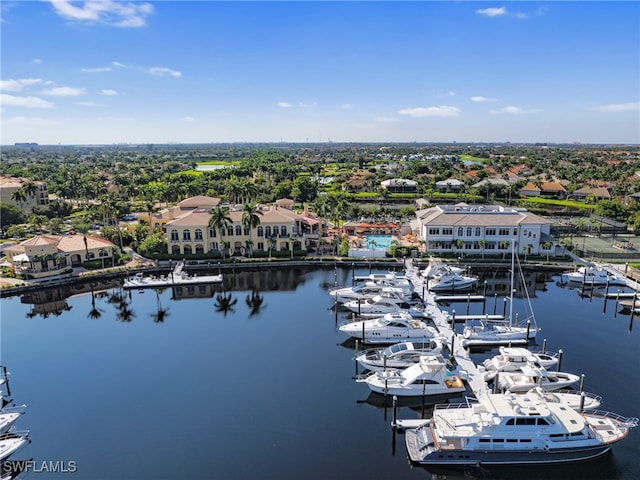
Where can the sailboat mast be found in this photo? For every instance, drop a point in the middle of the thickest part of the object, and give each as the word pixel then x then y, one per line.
pixel 513 256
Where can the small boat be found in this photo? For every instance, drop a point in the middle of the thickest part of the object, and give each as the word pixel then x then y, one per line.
pixel 436 268
pixel 512 359
pixel 388 280
pixel 362 292
pixel 430 376
pixel 573 399
pixel 378 305
pixel 399 355
pixel 509 429
pixel 593 274
pixel 494 332
pixel 531 376
pixel 452 282
pixel 8 417
pixel 11 442
pixel 390 328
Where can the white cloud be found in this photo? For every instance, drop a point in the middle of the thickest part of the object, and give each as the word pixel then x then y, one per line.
pixel 110 12
pixel 386 119
pixel 437 111
pixel 90 104
pixel 65 91
pixel 16 85
pixel 617 107
pixel 30 122
pixel 109 92
pixel 162 71
pixel 511 110
pixel 27 102
pixel 120 65
pixel 307 105
pixel 481 99
pixel 492 11
pixel 188 119
pixel 96 69
pixel 283 105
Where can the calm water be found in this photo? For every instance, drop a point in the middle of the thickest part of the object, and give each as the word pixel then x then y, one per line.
pixel 258 391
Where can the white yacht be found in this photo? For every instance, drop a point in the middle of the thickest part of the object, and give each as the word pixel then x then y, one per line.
pixel 452 282
pixel 390 328
pixel 513 359
pixel 398 355
pixel 531 376
pixel 378 305
pixel 430 376
pixel 510 429
pixel 362 292
pixel 593 274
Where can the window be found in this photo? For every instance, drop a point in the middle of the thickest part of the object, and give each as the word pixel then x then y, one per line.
pixel 515 231
pixel 434 231
pixel 267 231
pixel 260 231
pixel 489 231
pixel 238 230
pixel 260 245
pixel 186 235
pixel 174 235
pixel 283 231
pixel 460 231
pixel 198 234
pixel 447 231
pixel 230 231
pixel 504 232
pixel 275 230
pixel 477 231
pixel 212 232
pixel 247 230
pixel 469 231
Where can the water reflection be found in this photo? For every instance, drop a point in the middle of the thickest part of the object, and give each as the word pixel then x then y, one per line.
pixel 255 302
pixel 225 302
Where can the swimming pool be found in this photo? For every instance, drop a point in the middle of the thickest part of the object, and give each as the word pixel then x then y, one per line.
pixel 382 242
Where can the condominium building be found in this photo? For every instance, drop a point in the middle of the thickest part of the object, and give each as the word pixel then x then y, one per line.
pixel 482 229
pixel 31 193
pixel 279 229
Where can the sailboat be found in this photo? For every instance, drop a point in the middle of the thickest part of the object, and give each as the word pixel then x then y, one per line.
pixel 487 331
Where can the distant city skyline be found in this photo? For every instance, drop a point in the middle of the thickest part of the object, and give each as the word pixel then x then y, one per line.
pixel 108 72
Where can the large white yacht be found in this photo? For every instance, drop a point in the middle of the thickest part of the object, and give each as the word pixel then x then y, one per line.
pixel 510 429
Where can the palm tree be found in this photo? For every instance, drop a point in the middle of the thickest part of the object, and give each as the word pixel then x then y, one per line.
pixel 219 220
pixel 30 188
pixel 19 197
pixel 83 228
pixel 250 218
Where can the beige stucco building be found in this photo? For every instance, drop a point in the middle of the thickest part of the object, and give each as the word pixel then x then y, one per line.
pixel 10 185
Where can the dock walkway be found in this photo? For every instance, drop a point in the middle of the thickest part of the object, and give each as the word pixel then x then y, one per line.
pixel 444 324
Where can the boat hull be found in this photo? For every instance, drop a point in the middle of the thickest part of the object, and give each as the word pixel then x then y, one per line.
pixel 454 458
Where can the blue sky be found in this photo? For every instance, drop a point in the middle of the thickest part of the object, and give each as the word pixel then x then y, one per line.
pixel 87 72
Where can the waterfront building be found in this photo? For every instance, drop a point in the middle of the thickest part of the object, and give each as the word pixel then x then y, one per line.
pixel 464 229
pixel 33 193
pixel 280 229
pixel 51 255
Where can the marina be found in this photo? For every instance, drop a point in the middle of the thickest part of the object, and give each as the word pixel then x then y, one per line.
pixel 305 360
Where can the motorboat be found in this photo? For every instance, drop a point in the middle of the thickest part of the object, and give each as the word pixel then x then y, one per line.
pixel 362 292
pixel 531 376
pixel 399 355
pixel 593 274
pixel 11 442
pixel 510 429
pixel 575 399
pixel 452 282
pixel 430 376
pixel 8 417
pixel 486 331
pixel 512 359
pixel 436 268
pixel 378 305
pixel 390 328
pixel 390 279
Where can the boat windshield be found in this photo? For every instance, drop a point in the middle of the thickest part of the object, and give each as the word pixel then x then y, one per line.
pixel 398 347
